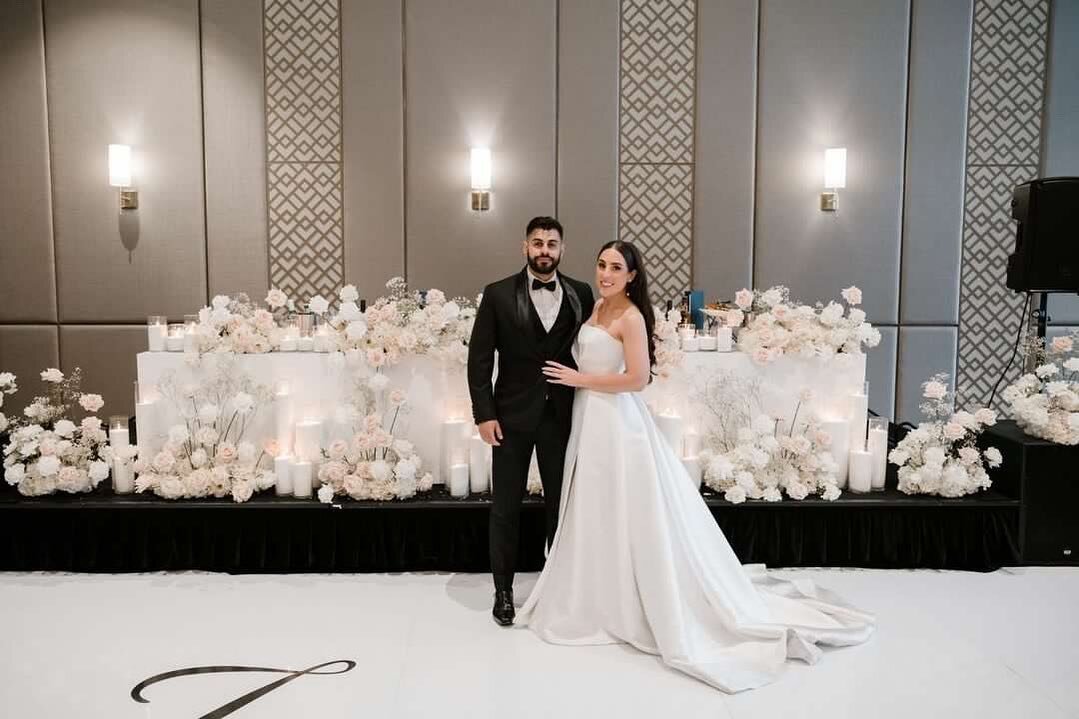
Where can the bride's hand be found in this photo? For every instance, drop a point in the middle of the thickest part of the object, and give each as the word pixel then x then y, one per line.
pixel 561 374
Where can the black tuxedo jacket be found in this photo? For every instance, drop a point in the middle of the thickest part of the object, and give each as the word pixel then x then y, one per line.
pixel 507 321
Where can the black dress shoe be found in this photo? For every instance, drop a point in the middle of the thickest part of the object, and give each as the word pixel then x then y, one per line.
pixel 503 611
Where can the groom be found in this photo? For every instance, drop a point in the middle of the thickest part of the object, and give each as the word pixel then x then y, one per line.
pixel 528 318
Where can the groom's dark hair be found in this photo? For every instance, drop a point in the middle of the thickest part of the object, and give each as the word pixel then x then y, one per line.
pixel 544 223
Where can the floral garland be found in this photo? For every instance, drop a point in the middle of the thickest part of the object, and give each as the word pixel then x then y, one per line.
pixel 669 353
pixel 776 326
pixel 764 463
pixel 372 464
pixel 47 452
pixel 1045 403
pixel 941 456
pixel 207 454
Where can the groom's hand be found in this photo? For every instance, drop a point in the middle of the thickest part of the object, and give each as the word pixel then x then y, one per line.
pixel 491 431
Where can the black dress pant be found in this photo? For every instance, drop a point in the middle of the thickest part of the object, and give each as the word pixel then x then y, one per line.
pixel 509 481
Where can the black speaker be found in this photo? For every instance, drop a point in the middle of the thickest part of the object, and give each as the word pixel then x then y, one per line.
pixel 1046 257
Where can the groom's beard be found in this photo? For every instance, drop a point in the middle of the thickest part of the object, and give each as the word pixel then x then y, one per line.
pixel 544 268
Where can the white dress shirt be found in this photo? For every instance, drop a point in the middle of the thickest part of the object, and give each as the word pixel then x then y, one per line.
pixel 547 303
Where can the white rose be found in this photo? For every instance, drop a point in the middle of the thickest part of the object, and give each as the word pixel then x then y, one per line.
pixel 993 457
pixel 852 295
pixel 934 457
pixel 735 318
pixel 64 428
pixel 220 302
pixel 98 471
pixel 242 491
pixel 276 298
pixel 206 436
pixel 199 458
pixel 397 398
pixel 349 293
pixel 3 422
pixel 48 466
pixel 226 453
pixel 831 493
pixel 348 312
pixel 356 330
pixel 986 417
pixel 52 375
pixel 325 493
pixel 318 304
pixel 772 297
pixel 91 402
pixel 772 494
pixel 735 495
pixel 208 412
pixel 744 298
pixel 934 390
pixel 380 470
pixel 954 431
pixel 1062 344
pixel 405 470
pixel 451 311
pixel 15 473
pixel 378 382
pixel 163 461
pixel 1046 370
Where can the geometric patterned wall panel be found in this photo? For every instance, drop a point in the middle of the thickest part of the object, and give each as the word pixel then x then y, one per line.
pixel 304 187
pixel 1007 91
pixel 657 96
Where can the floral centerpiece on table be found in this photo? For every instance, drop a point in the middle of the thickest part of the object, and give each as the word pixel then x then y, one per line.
pixel 669 353
pixel 776 326
pixel 236 324
pixel 47 452
pixel 941 455
pixel 209 454
pixel 373 464
pixel 762 462
pixel 1045 403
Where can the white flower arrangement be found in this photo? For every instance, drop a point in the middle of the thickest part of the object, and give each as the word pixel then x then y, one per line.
pixel 669 353
pixel 404 323
pixel 1045 403
pixel 46 451
pixel 776 326
pixel 941 456
pixel 236 324
pixel 763 463
pixel 373 464
pixel 207 454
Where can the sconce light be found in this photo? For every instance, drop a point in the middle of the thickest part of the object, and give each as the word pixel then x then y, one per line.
pixel 835 177
pixel 120 175
pixel 481 178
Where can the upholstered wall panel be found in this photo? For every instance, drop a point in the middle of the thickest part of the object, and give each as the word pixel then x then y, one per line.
pixel 477 74
pixel 923 352
pixel 27 273
pixel 372 77
pixel 587 129
pixel 125 71
pixel 26 350
pixel 725 146
pixel 234 116
pixel 832 76
pixel 936 129
pixel 106 354
pixel 880 373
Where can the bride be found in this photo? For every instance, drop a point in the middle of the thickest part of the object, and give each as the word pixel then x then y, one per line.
pixel 638 557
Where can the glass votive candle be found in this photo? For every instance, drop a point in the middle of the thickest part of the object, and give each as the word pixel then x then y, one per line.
pixel 156 332
pixel 118 432
pixel 175 341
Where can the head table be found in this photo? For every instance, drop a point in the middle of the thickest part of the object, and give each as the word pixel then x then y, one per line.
pixel 309 389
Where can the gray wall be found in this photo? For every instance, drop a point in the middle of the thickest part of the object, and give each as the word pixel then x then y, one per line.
pixel 777 81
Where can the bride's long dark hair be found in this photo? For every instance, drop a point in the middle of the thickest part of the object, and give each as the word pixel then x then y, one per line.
pixel 637 289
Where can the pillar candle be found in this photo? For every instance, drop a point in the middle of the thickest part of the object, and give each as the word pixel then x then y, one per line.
pixel 144 426
pixel 288 344
pixel 724 337
pixel 283 422
pixel 454 447
pixel 477 464
pixel 119 437
pixel 861 471
pixel 155 336
pixel 690 344
pixel 686 332
pixel 878 447
pixel 839 431
pixel 308 439
pixel 301 478
pixel 175 342
pixel 858 413
pixel 693 468
pixel 670 426
pixel 282 468
pixel 305 344
pixel 123 477
pixel 458 481
pixel 709 343
pixel 691 444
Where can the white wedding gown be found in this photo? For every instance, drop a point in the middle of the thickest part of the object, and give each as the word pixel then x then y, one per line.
pixel 638 557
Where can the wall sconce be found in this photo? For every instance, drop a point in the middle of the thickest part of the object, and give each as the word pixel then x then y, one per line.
pixel 835 177
pixel 120 175
pixel 481 178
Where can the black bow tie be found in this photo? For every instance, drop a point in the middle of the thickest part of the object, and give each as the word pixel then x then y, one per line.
pixel 537 285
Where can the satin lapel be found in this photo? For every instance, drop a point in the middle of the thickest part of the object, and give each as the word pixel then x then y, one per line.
pixel 523 301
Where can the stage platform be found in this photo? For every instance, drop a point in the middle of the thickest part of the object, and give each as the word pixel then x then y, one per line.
pixel 104 532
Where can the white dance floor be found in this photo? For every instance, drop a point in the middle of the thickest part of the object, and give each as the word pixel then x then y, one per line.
pixel 948 644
